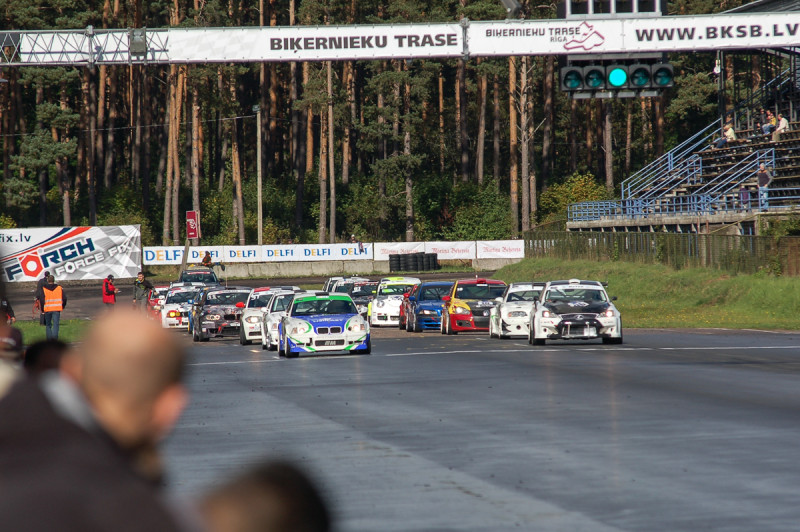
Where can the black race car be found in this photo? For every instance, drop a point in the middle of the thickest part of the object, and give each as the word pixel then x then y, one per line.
pixel 217 312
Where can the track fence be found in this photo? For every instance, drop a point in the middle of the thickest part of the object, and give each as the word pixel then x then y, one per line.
pixel 731 253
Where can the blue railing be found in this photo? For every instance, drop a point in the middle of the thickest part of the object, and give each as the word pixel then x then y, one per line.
pixel 689 205
pixel 687 172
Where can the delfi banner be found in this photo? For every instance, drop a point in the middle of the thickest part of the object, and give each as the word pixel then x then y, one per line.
pixel 501 249
pixel 70 253
pixel 384 249
pixel 196 254
pixel 240 254
pixel 315 252
pixel 452 250
pixel 163 255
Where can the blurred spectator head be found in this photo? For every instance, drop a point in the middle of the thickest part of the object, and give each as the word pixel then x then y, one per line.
pixel 272 497
pixel 44 356
pixel 10 343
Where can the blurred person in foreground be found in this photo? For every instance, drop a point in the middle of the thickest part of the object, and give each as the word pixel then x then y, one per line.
pixel 78 446
pixel 275 496
pixel 10 357
pixel 44 356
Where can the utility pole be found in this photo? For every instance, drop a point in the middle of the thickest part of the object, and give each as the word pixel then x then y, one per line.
pixel 257 111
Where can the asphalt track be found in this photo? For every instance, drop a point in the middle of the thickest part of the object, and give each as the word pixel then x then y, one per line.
pixel 673 430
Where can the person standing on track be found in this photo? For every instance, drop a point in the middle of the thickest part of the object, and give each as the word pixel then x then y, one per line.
pixel 54 300
pixel 141 289
pixel 109 291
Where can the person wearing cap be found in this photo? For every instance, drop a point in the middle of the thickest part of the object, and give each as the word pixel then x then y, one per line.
pixel 37 303
pixel 10 356
pixel 109 292
pixel 54 300
pixel 6 311
pixel 207 261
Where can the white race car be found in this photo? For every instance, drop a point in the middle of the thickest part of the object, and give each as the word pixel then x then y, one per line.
pixel 250 322
pixel 271 317
pixel 177 307
pixel 384 309
pixel 575 310
pixel 511 316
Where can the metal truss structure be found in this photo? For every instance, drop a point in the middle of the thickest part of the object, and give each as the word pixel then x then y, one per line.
pixel 629 35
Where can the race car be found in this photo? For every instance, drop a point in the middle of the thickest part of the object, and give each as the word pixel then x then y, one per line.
pixel 362 292
pixel 252 315
pixel 468 305
pixel 276 309
pixel 575 310
pixel 177 307
pixel 424 308
pixel 385 308
pixel 511 315
pixel 196 276
pixel 217 312
pixel 323 322
pixel 155 298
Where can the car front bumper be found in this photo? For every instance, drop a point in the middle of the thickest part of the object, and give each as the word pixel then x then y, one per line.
pixel 327 342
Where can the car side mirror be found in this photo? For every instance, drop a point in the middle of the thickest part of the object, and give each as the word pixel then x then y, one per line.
pixel 412 298
pixel 239 305
pixel 614 298
pixel 536 298
pixel 499 299
pixel 191 301
pixel 446 299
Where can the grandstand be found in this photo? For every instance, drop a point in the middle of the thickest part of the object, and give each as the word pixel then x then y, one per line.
pixel 695 187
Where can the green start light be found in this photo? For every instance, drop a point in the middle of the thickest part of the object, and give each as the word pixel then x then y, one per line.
pixel 617 77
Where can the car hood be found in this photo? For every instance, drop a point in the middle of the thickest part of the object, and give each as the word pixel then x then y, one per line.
pixel 430 305
pixel 222 309
pixel 577 307
pixel 176 306
pixel 394 299
pixel 326 320
pixel 517 305
pixel 479 304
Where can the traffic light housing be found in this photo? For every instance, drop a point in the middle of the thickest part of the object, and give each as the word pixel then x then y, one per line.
pixel 640 76
pixel 663 75
pixel 617 77
pixel 571 78
pixel 594 77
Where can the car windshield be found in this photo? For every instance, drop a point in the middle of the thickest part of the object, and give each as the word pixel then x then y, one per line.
pixel 364 290
pixel 394 289
pixel 226 298
pixel 323 306
pixel 259 300
pixel 565 294
pixel 523 295
pixel 198 277
pixel 342 288
pixel 433 293
pixel 281 303
pixel 180 297
pixel 479 291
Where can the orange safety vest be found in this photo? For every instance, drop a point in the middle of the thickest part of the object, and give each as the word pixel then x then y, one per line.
pixel 53 301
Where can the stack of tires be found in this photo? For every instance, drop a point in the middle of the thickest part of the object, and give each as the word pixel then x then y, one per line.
pixel 413 262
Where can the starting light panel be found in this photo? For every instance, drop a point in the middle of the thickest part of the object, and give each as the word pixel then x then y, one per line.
pixel 622 79
pixel 616 76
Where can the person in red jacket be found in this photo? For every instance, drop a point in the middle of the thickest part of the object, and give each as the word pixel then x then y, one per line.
pixel 109 292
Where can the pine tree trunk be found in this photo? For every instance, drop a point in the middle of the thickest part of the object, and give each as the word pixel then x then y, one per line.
pixel 572 136
pixel 165 232
pixel 136 101
pixel 147 118
pixel 196 155
pixel 441 122
pixel 309 127
pixel 496 132
pixel 91 163
pixel 111 122
pixel 62 164
pixel 102 119
pixel 524 145
pixel 608 149
pixel 346 150
pixel 483 85
pixel 331 170
pixel 463 122
pixel 549 119
pixel 323 176
pixel 238 205
pixel 628 136
pixel 590 134
pixel 513 148
pixel 658 104
pixel 42 177
pixel 407 152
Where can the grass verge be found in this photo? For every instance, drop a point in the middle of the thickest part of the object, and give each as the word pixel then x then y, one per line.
pixel 659 296
pixel 69 330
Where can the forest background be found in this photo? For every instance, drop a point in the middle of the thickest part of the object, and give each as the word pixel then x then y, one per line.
pixel 387 150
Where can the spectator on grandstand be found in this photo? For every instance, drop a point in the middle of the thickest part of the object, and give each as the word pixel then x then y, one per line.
pixel 783 125
pixel 744 198
pixel 728 135
pixel 764 181
pixel 770 124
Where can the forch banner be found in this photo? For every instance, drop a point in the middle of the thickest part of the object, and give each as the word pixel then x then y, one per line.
pixel 70 253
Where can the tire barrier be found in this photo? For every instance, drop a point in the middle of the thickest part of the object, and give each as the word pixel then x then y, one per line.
pixel 413 262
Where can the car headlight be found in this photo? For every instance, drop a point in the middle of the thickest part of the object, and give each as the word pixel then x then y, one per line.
pixel 252 319
pixel 212 317
pixel 458 309
pixel 300 328
pixel 380 304
pixel 173 314
pixel 427 312
pixel 517 314
pixel 548 314
pixel 274 326
pixel 608 313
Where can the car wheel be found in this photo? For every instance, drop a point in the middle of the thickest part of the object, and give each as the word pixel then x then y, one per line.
pixel 402 323
pixel 491 328
pixel 264 347
pixel 538 341
pixel 367 350
pixel 416 327
pixel 441 323
pixel 242 339
pixel 449 328
pixel 270 346
pixel 281 352
pixel 194 336
pixel 612 340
